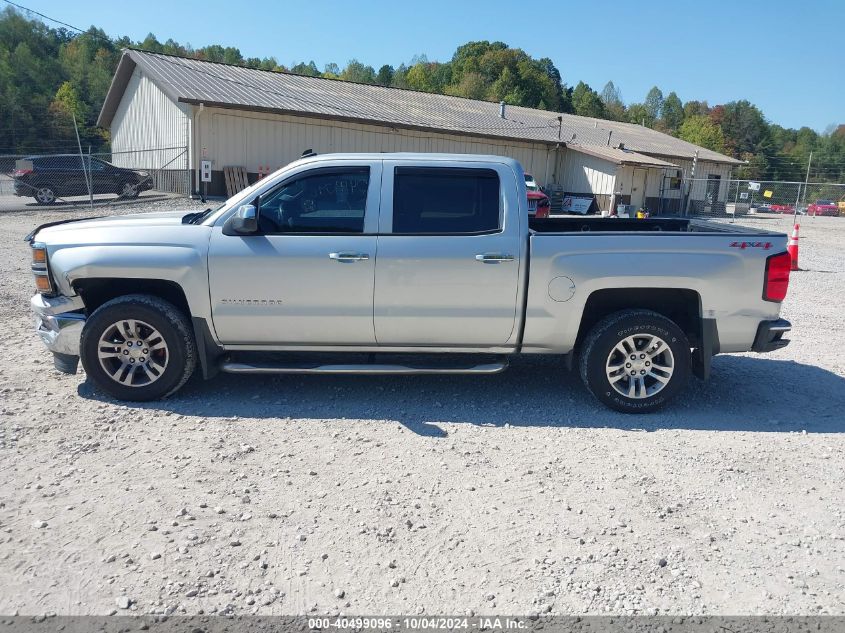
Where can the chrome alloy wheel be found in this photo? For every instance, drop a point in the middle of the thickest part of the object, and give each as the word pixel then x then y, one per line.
pixel 45 195
pixel 640 366
pixel 133 353
pixel 128 189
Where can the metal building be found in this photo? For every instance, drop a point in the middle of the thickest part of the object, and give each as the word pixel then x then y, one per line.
pixel 168 113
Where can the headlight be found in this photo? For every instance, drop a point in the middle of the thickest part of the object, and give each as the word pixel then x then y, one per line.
pixel 43 282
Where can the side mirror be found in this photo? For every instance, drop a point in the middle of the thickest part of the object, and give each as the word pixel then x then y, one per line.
pixel 245 219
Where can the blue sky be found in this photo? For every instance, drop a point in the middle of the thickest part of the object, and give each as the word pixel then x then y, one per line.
pixel 788 58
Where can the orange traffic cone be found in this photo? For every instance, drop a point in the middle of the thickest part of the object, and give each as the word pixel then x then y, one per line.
pixel 792 247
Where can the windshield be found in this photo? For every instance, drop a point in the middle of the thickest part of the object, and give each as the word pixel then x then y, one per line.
pixel 825 202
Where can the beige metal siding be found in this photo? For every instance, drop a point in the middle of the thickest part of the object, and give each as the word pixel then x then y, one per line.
pixel 703 170
pixel 254 140
pixel 581 173
pixel 149 130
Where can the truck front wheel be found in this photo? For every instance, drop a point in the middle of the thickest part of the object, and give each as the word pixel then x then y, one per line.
pixel 138 347
pixel 635 361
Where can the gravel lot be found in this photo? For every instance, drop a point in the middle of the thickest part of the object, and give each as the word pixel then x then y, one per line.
pixel 508 494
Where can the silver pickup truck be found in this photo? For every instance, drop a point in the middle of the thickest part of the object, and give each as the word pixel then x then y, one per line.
pixel 402 263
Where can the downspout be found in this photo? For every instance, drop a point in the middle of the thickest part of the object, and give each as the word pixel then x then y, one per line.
pixel 546 176
pixel 197 145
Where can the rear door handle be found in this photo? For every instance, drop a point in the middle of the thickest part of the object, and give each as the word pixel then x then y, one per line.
pixel 349 257
pixel 494 257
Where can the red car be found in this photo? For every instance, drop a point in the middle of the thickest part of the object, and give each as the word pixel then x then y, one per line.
pixel 539 204
pixel 782 208
pixel 823 207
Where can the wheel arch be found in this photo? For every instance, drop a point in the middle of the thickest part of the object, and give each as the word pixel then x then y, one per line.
pixel 99 290
pixel 681 305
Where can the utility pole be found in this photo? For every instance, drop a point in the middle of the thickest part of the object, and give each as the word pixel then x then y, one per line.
pixel 807 177
pixel 690 184
pixel 85 172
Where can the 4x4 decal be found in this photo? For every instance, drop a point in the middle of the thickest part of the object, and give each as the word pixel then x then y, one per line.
pixel 764 245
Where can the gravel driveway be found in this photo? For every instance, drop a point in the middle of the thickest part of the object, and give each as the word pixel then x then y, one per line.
pixel 507 494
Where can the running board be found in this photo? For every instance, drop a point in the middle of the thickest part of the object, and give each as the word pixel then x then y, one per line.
pixel 364 368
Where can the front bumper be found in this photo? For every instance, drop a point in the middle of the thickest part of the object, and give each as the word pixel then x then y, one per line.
pixel 770 335
pixel 58 324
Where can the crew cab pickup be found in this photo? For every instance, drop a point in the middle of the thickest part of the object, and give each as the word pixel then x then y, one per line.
pixel 402 263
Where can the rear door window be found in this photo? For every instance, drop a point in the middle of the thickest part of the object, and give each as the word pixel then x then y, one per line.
pixel 438 200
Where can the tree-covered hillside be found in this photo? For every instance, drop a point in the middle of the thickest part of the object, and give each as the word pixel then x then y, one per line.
pixel 48 76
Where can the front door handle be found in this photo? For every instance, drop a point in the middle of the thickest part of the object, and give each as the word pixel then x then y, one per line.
pixel 494 257
pixel 349 257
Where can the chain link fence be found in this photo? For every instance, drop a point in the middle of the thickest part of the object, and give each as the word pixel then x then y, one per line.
pixel 707 197
pixel 52 178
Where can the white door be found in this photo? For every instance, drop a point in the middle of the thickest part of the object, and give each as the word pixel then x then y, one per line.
pixel 448 256
pixel 638 184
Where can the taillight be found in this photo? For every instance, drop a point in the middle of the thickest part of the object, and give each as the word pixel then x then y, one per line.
pixel 17 173
pixel 776 280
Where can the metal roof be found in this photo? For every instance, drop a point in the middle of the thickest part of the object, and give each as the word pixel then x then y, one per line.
pixel 620 156
pixel 194 81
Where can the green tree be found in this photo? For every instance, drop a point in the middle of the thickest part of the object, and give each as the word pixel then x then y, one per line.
pixel 471 86
pixel 384 76
pixel 744 127
pixel 654 103
pixel 358 72
pixel 638 113
pixel 309 69
pixel 67 104
pixel 612 99
pixel 700 130
pixel 422 76
pixel 586 101
pixel 672 114
pixel 691 108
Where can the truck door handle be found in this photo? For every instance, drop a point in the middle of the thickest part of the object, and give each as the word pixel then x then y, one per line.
pixel 349 257
pixel 494 257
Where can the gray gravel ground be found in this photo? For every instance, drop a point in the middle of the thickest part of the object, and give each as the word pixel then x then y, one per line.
pixel 507 494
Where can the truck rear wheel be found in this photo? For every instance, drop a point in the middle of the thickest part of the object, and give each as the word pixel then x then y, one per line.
pixel 138 347
pixel 635 361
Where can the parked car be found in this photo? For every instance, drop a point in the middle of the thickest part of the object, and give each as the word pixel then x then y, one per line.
pixel 539 205
pixel 823 207
pixel 402 264
pixel 47 178
pixel 530 183
pixel 782 208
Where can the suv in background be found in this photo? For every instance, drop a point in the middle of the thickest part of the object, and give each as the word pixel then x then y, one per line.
pixel 539 205
pixel 47 178
pixel 823 207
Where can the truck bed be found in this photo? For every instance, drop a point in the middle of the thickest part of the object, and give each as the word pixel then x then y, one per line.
pixel 576 224
pixel 574 257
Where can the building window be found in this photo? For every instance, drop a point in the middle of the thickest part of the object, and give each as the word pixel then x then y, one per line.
pixel 436 200
pixel 675 181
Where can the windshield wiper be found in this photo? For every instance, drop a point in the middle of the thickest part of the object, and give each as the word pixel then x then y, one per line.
pixel 196 218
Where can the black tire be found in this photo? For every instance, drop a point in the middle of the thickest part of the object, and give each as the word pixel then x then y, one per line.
pixel 610 332
pixel 45 194
pixel 172 325
pixel 128 190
